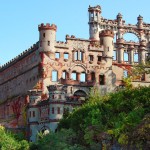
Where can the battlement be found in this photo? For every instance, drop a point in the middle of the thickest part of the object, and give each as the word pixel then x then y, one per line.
pixel 20 56
pixel 107 33
pixel 47 27
pixel 96 8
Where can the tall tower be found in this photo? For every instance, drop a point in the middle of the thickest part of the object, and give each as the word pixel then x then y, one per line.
pixel 47 37
pixel 94 20
pixel 106 38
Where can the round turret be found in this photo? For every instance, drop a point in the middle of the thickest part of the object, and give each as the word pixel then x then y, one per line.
pixel 94 20
pixel 119 19
pixel 47 37
pixel 106 38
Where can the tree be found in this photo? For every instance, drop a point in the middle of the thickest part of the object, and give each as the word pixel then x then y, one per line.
pixel 111 119
pixel 8 141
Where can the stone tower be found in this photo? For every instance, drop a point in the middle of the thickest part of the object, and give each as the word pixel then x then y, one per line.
pixel 94 20
pixel 47 37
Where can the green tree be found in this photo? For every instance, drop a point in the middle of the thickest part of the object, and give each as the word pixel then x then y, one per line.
pixel 8 141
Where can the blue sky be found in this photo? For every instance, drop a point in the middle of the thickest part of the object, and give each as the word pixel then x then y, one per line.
pixel 19 20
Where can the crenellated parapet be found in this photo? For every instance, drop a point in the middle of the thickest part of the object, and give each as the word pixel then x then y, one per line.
pixel 47 27
pixel 96 8
pixel 20 56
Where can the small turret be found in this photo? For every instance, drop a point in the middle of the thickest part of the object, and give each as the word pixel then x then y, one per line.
pixel 47 37
pixel 140 22
pixel 119 20
pixel 94 20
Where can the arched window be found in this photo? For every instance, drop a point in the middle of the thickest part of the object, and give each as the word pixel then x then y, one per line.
pixel 54 75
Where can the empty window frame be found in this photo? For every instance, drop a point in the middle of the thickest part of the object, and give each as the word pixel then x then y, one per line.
pixel 66 56
pixel 74 76
pixel 101 79
pixel 136 57
pixel 126 56
pixel 114 55
pixel 57 55
pixel 125 73
pixel 54 76
pixel 64 74
pixel 82 77
pixel 48 43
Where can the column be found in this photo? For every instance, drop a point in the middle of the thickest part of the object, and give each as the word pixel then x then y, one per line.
pixel 120 54
pixel 78 76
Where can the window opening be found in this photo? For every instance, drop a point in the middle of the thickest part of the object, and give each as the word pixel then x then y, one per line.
pixel 53 110
pixel 99 58
pixel 58 110
pixel 114 55
pixel 91 57
pixel 136 57
pixel 92 76
pixel 57 55
pixel 101 79
pixel 66 55
pixel 126 56
pixel 82 77
pixel 54 75
pixel 125 73
pixel 74 76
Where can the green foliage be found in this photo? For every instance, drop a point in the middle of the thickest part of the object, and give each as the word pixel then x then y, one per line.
pixel 62 140
pixel 9 141
pixel 114 116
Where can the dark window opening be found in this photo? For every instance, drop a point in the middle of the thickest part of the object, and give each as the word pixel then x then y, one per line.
pixel 58 110
pixel 91 57
pixel 33 113
pixel 53 110
pixel 43 34
pixel 101 79
pixel 92 76
pixel 99 58
pixel 48 43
